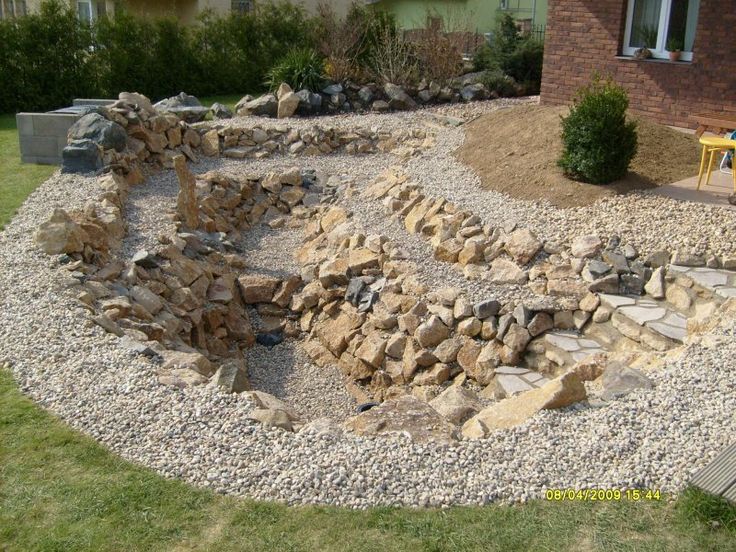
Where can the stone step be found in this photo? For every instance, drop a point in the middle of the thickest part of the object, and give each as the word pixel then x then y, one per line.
pixel 512 380
pixel 653 323
pixel 565 348
pixel 719 281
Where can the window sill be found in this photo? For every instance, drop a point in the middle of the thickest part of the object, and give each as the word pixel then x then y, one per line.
pixel 655 60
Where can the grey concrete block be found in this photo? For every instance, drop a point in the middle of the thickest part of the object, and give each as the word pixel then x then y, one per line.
pixel 24 122
pixel 92 101
pixel 40 146
pixel 46 124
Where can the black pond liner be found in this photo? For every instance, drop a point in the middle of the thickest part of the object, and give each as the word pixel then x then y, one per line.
pixel 269 339
pixel 365 407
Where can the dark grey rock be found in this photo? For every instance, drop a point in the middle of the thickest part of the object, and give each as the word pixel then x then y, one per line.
pixel 93 126
pixel 619 380
pixel 596 269
pixel 367 300
pixel 522 315
pixel 265 106
pixel 380 106
pixel 353 291
pixel 631 284
pixel 616 260
pixel 607 284
pixel 366 95
pixel 629 252
pixel 144 259
pixel 474 92
pixel 504 323
pixel 487 308
pixel 309 103
pixel 81 156
pixel 184 106
pixel 398 98
pixel 332 89
pixel 221 111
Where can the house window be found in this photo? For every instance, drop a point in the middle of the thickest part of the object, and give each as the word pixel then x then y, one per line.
pixel 7 9
pixel 504 5
pixel 84 11
pixel 242 7
pixel 661 25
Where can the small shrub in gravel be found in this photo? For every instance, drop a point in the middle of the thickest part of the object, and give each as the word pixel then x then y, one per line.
pixel 598 141
pixel 503 85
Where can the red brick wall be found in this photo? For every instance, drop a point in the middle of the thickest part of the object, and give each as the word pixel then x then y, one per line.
pixel 586 35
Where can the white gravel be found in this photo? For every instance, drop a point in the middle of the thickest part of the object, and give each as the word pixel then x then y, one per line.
pixel 653 438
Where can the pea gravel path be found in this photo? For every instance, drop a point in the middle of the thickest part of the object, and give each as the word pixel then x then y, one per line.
pixel 653 438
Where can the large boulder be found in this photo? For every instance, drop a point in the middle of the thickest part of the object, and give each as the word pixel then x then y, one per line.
pixel 619 380
pixel 183 106
pixel 288 105
pixel 309 103
pixel 408 416
pixel 60 234
pixel 221 111
pixel 474 92
pixel 98 129
pixel 265 106
pixel 80 157
pixel 558 393
pixel 398 98
pixel 457 404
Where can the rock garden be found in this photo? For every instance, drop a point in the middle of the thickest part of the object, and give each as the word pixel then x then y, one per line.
pixel 334 310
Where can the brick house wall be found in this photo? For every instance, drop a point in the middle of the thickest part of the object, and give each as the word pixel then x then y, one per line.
pixel 586 35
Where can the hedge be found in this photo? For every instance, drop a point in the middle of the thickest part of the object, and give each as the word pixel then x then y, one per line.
pixel 49 58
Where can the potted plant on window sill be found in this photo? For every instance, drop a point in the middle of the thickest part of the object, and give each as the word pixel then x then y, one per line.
pixel 674 47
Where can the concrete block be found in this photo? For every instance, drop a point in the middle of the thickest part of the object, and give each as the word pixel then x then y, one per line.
pixel 24 122
pixel 47 124
pixel 39 146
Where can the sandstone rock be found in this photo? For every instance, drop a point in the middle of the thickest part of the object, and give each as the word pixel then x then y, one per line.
pixel 486 363
pixel 265 106
pixel 257 288
pixel 395 345
pixel 447 350
pixel 540 324
pixel 516 338
pixel 288 104
pixel 457 404
pixel 607 284
pixel 679 296
pixel 192 361
pixel 271 417
pixel 211 143
pixel 468 355
pixel 334 272
pixel 186 201
pixel 470 327
pixel 590 302
pixel 558 393
pixel 432 332
pixel 60 234
pixel 523 245
pixel 655 285
pixel 232 376
pixel 586 246
pixel 146 298
pixel 506 272
pixel 372 350
pixel 437 375
pixel 407 416
pixel 591 367
pixel 448 250
pixel 487 308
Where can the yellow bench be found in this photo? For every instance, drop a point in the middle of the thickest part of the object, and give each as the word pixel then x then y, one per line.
pixel 711 145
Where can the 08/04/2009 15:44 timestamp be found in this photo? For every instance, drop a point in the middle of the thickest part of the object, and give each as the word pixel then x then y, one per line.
pixel 600 495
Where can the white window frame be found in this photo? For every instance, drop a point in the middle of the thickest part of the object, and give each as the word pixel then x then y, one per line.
pixel 91 9
pixel 660 51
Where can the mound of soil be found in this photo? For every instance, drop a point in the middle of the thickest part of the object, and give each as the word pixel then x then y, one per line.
pixel 515 151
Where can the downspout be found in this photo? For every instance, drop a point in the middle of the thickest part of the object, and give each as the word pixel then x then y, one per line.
pixel 534 13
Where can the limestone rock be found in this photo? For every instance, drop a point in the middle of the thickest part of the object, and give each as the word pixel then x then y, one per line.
pixel 288 104
pixel 457 404
pixel 586 246
pixel 211 143
pixel 619 380
pixel 192 361
pixel 405 415
pixel 558 393
pixel 523 245
pixel 60 234
pixel 232 376
pixel 432 332
pixel 447 350
pixel 186 201
pixel 257 288
pixel 506 272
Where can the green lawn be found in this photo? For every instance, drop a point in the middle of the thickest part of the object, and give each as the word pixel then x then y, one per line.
pixel 16 180
pixel 61 491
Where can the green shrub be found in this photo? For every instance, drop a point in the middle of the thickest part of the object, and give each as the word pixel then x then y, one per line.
pixel 524 64
pixel 598 142
pixel 299 69
pixel 484 60
pixel 503 85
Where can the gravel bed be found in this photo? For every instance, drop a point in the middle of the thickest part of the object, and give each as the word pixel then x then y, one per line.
pixel 651 438
pixel 287 372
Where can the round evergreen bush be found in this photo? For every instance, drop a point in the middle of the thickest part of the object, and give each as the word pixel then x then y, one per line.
pixel 300 69
pixel 598 141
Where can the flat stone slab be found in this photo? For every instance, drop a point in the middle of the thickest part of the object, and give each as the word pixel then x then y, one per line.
pixel 566 342
pixel 673 332
pixel 616 301
pixel 643 314
pixel 709 278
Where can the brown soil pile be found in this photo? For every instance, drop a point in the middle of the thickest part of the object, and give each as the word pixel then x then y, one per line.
pixel 515 151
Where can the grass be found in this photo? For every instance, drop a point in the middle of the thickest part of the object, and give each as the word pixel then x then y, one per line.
pixel 62 491
pixel 16 180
